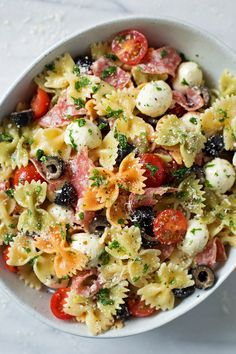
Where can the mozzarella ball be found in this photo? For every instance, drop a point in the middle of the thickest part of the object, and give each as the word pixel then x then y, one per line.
pixel 89 245
pixel 220 175
pixel 234 159
pixel 61 214
pixel 188 74
pixel 83 133
pixel 154 98
pixel 191 120
pixel 195 239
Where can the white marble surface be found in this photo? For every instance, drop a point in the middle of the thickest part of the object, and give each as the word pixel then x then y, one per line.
pixel 26 29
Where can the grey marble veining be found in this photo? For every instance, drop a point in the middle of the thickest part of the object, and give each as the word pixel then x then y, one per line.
pixel 27 27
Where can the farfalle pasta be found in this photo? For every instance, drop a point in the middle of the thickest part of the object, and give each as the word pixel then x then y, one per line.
pixel 117 182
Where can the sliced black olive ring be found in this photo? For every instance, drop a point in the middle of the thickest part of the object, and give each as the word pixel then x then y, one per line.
pixel 203 276
pixel 53 167
pixel 66 196
pixel 98 224
pixel 184 292
pixel 23 118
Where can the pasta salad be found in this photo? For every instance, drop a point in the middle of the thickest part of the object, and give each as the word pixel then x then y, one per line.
pixel 117 182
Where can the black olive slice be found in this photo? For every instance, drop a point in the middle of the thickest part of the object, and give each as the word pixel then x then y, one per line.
pixel 53 167
pixel 123 151
pixel 185 292
pixel 214 145
pixel 98 224
pixel 66 196
pixel 23 118
pixel 203 276
pixel 123 312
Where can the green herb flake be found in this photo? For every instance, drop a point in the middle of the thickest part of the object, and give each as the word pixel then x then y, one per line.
pixel 184 82
pixel 103 297
pixel 83 82
pixel 81 215
pixel 152 168
pixel 145 268
pixel 122 139
pixel 10 192
pixel 39 154
pixel 104 258
pixel 38 189
pixel 164 53
pixel 76 70
pixel 50 67
pixel 79 102
pixel 72 140
pixel 97 178
pixel 180 173
pixel 32 260
pixel 102 125
pixel 81 122
pixel 194 230
pixel 90 131
pixel 193 120
pixel 6 137
pixel 111 56
pixel 223 114
pixel 121 221
pixel 135 279
pixel 111 113
pixel 96 88
pixel 27 249
pixel 8 238
pixel 114 245
pixel 208 184
pixel 108 72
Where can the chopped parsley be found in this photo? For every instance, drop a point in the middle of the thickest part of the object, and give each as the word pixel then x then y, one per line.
pixel 76 70
pixel 122 139
pixel 6 137
pixel 113 113
pixel 193 120
pixel 81 215
pixel 83 82
pixel 96 88
pixel 90 131
pixel 10 192
pixel 79 102
pixel 208 184
pixel 145 268
pixel 97 178
pixel 180 173
pixel 121 221
pixel 164 53
pixel 33 260
pixel 39 154
pixel 184 82
pixel 72 140
pixel 104 257
pixel 81 122
pixel 38 190
pixel 102 125
pixel 135 279
pixel 223 115
pixel 27 249
pixel 103 297
pixel 111 56
pixel 114 244
pixel 108 72
pixel 152 168
pixel 8 238
pixel 158 88
pixel 182 56
pixel 193 231
pixel 50 67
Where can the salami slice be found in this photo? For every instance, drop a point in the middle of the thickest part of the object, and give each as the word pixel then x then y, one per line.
pixel 164 60
pixel 58 115
pixel 192 101
pixel 86 282
pixel 113 75
pixel 213 252
pixel 149 198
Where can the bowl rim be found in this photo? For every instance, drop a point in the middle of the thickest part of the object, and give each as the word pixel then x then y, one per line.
pixel 165 20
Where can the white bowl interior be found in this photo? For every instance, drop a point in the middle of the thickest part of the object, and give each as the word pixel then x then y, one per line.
pixel 213 57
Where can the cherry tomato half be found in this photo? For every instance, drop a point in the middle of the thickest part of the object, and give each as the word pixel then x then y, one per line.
pixel 57 302
pixel 170 227
pixel 40 103
pixel 155 170
pixel 11 269
pixel 137 308
pixel 27 173
pixel 130 46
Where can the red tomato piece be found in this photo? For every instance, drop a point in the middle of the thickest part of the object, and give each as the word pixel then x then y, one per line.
pixel 27 173
pixel 170 227
pixel 11 269
pixel 155 170
pixel 40 103
pixel 130 46
pixel 57 302
pixel 138 308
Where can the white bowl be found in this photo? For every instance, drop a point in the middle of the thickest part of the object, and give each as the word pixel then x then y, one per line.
pixel 213 57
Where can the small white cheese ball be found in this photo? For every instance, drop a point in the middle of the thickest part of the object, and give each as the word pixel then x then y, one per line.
pixel 83 133
pixel 220 175
pixel 195 239
pixel 234 159
pixel 61 214
pixel 154 98
pixel 188 74
pixel 191 120
pixel 89 245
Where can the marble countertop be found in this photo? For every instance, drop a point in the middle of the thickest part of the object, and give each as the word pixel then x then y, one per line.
pixel 27 27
